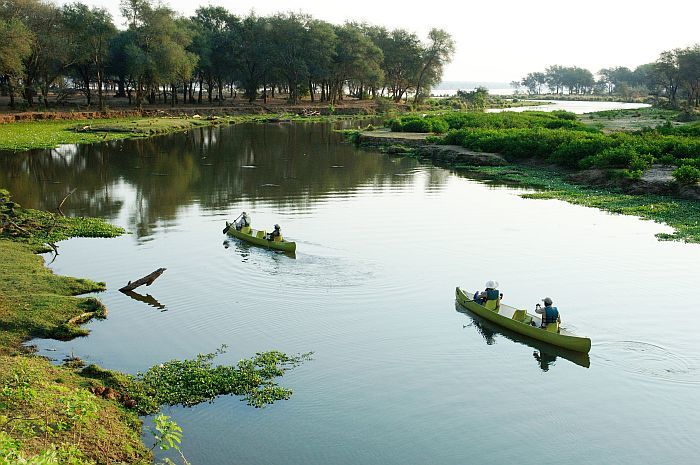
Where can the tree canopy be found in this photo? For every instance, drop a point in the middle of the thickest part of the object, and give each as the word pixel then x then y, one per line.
pixel 163 56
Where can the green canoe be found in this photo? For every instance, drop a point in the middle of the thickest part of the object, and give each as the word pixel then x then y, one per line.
pixel 522 322
pixel 258 238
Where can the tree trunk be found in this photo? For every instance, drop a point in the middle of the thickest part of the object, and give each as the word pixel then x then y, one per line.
pixel 88 92
pixel 11 91
pixel 201 84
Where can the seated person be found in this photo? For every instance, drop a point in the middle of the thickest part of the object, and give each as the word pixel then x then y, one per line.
pixel 276 233
pixel 550 314
pixel 491 294
pixel 242 221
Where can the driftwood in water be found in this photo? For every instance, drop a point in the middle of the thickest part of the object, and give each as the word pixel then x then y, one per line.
pixel 147 280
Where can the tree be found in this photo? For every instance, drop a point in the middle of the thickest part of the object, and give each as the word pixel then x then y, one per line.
pixel 667 73
pixel 434 57
pixel 14 48
pixel 251 52
pixel 554 78
pixel 91 30
pixel 214 39
pixel 157 51
pixel 356 58
pixel 323 43
pixel 689 73
pixel 516 86
pixel 534 82
pixel 402 62
pixel 475 99
pixel 289 51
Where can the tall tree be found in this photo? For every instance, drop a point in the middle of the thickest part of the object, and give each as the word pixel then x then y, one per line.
pixel 434 57
pixel 402 62
pixel 289 50
pixel 90 30
pixel 14 48
pixel 689 73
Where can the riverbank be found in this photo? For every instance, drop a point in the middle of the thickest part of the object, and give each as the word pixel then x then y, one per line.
pixel 654 195
pixel 46 134
pixel 47 409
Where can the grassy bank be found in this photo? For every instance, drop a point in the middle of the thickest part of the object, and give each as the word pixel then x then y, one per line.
pixel 562 139
pixel 46 411
pixel 682 215
pixel 28 135
pixel 71 414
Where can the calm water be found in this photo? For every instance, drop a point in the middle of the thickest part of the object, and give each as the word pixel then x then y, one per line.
pixel 399 376
pixel 575 107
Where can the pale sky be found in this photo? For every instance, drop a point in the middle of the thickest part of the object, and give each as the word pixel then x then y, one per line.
pixel 499 40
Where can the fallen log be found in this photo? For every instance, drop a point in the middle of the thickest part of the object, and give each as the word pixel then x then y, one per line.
pixel 147 280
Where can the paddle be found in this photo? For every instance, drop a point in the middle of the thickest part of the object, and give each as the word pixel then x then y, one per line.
pixel 228 225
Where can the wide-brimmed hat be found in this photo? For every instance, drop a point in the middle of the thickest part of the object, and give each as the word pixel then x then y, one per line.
pixel 547 301
pixel 491 284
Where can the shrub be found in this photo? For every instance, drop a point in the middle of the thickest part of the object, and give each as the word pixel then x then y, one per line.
pixel 417 125
pixel 623 156
pixel 439 126
pixel 687 175
pixel 564 115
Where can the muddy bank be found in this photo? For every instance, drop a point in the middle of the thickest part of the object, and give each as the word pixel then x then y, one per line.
pixel 420 145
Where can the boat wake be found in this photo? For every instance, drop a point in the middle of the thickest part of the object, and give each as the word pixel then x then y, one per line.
pixel 647 360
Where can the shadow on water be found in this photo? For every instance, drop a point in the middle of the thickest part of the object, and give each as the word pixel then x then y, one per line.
pixel 545 354
pixel 147 299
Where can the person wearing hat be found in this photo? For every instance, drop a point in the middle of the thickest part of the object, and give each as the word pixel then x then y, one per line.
pixel 490 298
pixel 276 233
pixel 550 314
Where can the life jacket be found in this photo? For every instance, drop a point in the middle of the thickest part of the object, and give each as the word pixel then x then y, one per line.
pixel 492 294
pixel 551 314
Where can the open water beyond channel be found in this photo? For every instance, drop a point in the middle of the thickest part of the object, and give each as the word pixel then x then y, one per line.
pixel 399 375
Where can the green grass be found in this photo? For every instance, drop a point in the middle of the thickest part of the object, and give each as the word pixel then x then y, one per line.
pixel 682 215
pixel 49 408
pixel 22 136
pixel 49 134
pixel 34 302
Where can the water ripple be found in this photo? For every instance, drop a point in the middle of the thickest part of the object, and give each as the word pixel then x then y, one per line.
pixel 648 361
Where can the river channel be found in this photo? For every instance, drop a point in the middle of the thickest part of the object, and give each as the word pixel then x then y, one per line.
pixel 399 375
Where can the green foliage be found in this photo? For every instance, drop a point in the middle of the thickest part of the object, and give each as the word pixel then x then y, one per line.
pixel 11 454
pixel 47 416
pixel 191 382
pixel 687 175
pixel 167 433
pixel 621 156
pixel 417 123
pixel 559 138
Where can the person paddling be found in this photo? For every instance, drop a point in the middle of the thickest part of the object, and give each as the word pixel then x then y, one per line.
pixel 276 233
pixel 242 222
pixel 550 314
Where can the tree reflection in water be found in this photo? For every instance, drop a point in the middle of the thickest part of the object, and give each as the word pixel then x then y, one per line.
pixel 147 182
